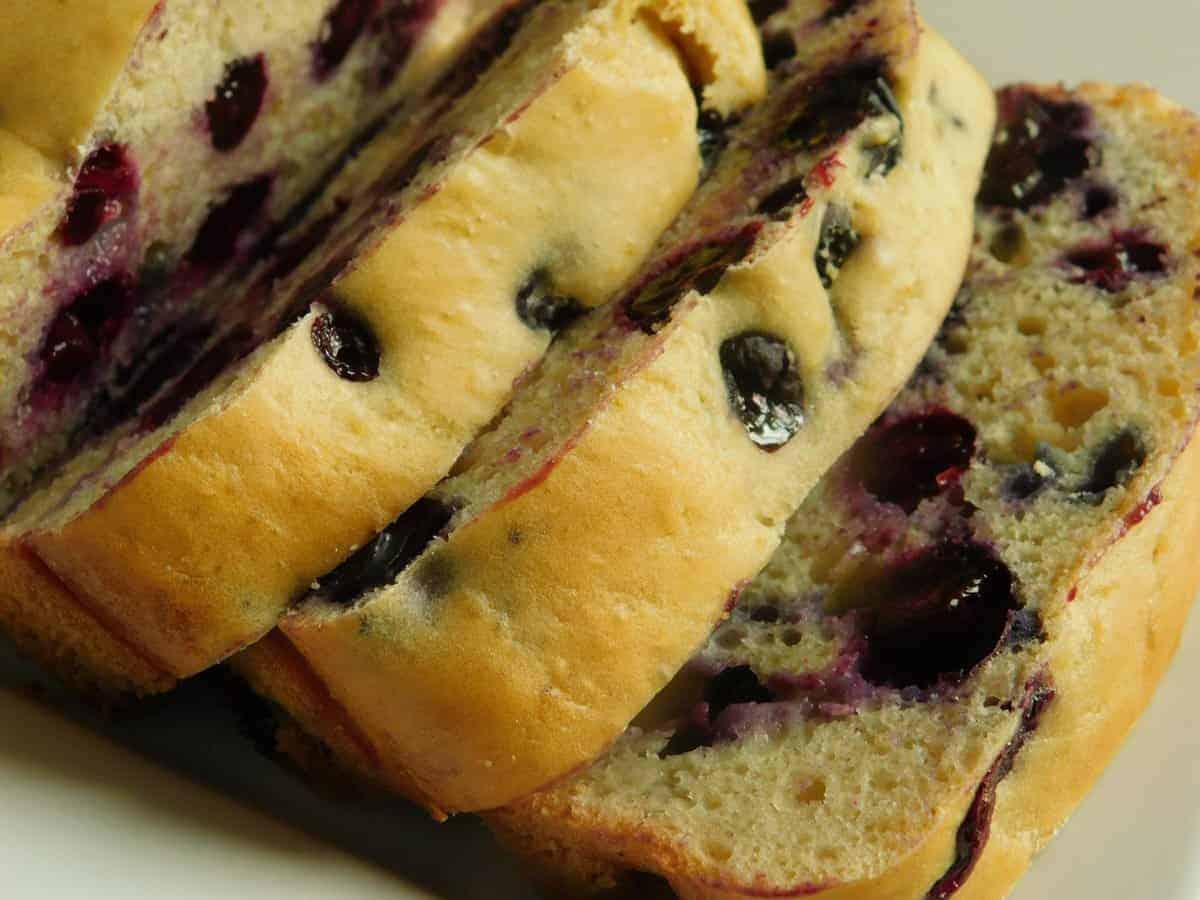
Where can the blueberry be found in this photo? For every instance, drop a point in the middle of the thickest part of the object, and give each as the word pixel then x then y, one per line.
pixel 779 48
pixel 936 617
pixel 713 131
pixel 235 106
pixel 84 329
pixel 1098 200
pixel 837 101
pixel 1041 144
pixel 216 242
pixel 339 32
pixel 1114 464
pixel 764 387
pixel 107 179
pixel 836 244
pixel 389 553
pixel 761 10
pixel 915 458
pixel 541 310
pixel 347 345
pixel 780 202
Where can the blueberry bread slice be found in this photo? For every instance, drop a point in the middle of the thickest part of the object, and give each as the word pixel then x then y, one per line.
pixel 974 606
pixel 147 149
pixel 369 343
pixel 507 628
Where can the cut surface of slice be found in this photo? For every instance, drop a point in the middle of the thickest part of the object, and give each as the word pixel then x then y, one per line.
pixel 148 152
pixel 375 337
pixel 591 539
pixel 978 601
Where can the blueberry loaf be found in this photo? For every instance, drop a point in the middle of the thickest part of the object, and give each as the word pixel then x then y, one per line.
pixel 368 343
pixel 147 148
pixel 509 626
pixel 977 602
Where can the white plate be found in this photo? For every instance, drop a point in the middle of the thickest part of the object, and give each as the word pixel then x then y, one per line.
pixel 82 817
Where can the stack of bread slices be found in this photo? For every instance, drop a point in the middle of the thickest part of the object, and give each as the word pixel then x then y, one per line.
pixel 727 446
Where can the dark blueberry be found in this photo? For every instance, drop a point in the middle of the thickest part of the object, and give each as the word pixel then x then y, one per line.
pixel 837 101
pixel 915 458
pixel 156 268
pixel 200 375
pixel 780 202
pixel 1112 265
pixel 646 886
pixel 237 102
pixel 840 9
pixel 488 45
pixel 1114 464
pixel 84 329
pixel 698 266
pixel 762 10
pixel 765 388
pixel 1098 200
pixel 837 242
pixel 542 310
pixel 339 32
pixel 1025 627
pixel 347 345
pixel 106 181
pixel 1041 144
pixel 400 27
pixel 779 48
pixel 380 561
pixel 713 131
pixel 765 614
pixel 735 686
pixel 937 617
pixel 217 240
pixel 1027 481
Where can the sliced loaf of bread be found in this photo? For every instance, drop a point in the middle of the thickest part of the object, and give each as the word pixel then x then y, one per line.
pixel 508 627
pixel 974 607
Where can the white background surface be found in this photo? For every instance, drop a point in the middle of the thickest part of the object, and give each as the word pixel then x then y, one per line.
pixel 81 817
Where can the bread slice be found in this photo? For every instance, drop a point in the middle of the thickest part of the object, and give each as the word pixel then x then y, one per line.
pixel 973 608
pixel 422 282
pixel 588 543
pixel 146 149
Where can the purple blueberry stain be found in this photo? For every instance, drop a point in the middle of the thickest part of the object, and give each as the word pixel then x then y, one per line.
pixel 975 830
pixel 783 200
pixel 491 43
pixel 1113 264
pixel 340 30
pixel 1116 461
pixel 347 345
pixel 237 102
pixel 106 184
pixel 764 387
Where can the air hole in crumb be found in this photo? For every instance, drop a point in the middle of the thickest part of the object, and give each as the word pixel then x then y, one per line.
pixel 792 636
pixel 1074 405
pixel 718 852
pixel 1168 387
pixel 1031 326
pixel 810 790
pixel 1009 243
pixel 731 638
